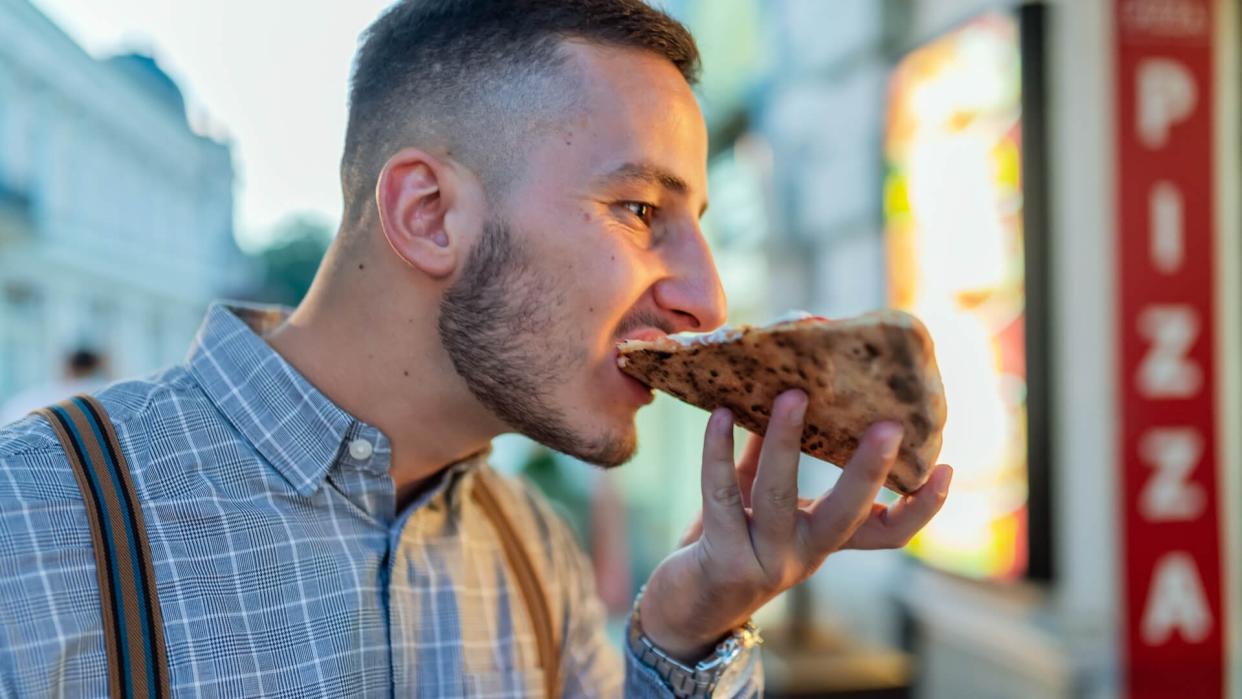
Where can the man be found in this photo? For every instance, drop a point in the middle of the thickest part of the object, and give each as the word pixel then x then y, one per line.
pixel 522 183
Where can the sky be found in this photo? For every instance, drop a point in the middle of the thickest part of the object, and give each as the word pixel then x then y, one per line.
pixel 270 76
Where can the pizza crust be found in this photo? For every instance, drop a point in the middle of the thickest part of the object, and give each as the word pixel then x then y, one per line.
pixel 856 372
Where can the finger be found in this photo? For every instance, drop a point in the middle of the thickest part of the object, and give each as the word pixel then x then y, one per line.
pixel 893 527
pixel 834 517
pixel 748 465
pixel 774 495
pixel 723 515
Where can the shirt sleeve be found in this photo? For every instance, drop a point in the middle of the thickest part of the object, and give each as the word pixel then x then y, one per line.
pixel 591 665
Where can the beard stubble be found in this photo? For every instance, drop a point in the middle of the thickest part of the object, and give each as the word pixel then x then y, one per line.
pixel 499 325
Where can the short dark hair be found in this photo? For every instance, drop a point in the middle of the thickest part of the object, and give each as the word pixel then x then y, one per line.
pixel 462 75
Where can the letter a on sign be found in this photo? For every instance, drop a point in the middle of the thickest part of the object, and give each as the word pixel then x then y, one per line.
pixel 1176 602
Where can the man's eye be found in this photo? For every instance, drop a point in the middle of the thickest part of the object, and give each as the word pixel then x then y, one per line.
pixel 644 212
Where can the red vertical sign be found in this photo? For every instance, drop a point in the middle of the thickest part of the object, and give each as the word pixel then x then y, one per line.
pixel 1174 614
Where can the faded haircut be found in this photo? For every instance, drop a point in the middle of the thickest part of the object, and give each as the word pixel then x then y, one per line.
pixel 474 79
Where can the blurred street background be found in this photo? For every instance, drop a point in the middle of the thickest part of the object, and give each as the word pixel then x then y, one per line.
pixel 1054 187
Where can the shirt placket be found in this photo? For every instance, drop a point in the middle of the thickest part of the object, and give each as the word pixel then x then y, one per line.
pixel 413 614
pixel 361 472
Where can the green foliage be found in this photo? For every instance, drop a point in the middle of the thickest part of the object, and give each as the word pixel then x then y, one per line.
pixel 288 264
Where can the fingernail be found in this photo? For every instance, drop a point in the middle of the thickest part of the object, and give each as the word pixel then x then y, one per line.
pixel 945 480
pixel 798 411
pixel 722 420
pixel 888 439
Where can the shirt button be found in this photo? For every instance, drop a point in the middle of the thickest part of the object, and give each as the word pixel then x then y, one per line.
pixel 361 449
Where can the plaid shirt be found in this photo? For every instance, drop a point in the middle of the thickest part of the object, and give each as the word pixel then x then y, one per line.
pixel 282 565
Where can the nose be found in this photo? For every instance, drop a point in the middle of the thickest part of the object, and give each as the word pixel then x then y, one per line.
pixel 691 293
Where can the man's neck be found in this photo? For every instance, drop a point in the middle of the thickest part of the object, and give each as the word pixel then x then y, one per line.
pixel 398 382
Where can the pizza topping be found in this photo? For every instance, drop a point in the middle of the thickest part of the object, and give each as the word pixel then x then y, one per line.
pixel 791 316
pixel 729 334
pixel 724 334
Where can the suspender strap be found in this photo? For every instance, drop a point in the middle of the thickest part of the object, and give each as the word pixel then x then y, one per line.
pixel 133 628
pixel 533 592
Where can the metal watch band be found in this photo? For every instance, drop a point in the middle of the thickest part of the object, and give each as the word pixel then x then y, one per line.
pixel 698 682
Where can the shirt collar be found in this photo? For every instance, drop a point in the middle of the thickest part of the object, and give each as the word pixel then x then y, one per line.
pixel 294 426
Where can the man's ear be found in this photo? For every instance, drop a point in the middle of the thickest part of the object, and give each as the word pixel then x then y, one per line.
pixel 413 194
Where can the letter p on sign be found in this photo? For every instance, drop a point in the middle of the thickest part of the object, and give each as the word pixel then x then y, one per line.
pixel 1166 95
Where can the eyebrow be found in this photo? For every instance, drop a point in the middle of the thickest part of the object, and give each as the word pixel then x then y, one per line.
pixel 647 173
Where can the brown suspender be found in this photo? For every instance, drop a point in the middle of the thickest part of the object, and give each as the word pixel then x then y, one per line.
pixel 527 578
pixel 132 627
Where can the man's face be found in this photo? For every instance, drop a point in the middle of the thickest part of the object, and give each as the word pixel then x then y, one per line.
pixel 597 241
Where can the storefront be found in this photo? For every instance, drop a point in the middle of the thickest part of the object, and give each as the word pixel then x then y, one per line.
pixel 1102 557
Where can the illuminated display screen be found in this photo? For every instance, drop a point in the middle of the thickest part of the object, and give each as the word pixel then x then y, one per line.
pixel 954 244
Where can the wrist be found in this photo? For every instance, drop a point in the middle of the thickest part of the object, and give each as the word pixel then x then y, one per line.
pixel 683 639
pixel 689 676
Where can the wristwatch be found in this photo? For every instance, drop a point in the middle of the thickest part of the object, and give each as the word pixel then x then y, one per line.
pixel 699 681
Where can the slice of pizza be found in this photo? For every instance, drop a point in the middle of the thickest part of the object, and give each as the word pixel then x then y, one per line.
pixel 856 372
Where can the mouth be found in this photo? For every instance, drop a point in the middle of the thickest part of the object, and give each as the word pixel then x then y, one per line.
pixel 638 391
pixel 635 389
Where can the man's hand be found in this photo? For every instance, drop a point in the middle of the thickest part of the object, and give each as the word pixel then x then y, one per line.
pixel 757 538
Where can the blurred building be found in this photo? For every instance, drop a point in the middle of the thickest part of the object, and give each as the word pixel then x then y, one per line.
pixel 116 218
